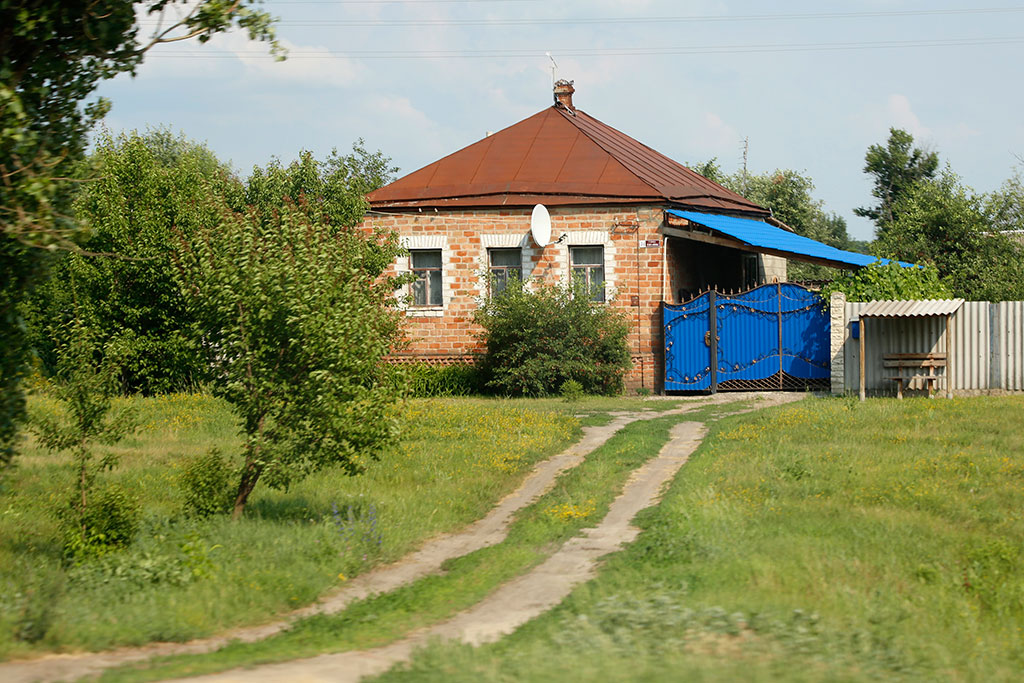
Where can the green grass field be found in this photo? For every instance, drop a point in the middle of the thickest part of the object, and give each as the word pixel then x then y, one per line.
pixel 828 540
pixel 580 498
pixel 824 540
pixel 184 578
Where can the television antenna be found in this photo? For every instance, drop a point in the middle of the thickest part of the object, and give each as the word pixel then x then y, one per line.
pixel 554 67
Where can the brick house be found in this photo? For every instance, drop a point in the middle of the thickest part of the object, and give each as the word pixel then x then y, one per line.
pixel 468 215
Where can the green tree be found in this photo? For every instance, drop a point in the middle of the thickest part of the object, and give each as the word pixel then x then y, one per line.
pixel 331 190
pixel 52 56
pixel 789 195
pixel 142 189
pixel 297 315
pixel 1005 206
pixel 943 223
pixel 878 282
pixel 94 520
pixel 896 168
pixel 711 170
pixel 538 339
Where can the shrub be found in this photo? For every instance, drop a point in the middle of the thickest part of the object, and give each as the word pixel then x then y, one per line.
pixel 95 519
pixel 537 340
pixel 422 380
pixel 571 390
pixel 110 521
pixel 206 483
pixel 888 282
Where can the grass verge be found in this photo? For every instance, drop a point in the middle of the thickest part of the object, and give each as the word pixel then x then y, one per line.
pixel 580 497
pixel 184 578
pixel 828 540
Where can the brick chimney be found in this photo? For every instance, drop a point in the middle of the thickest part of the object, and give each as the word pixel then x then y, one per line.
pixel 563 94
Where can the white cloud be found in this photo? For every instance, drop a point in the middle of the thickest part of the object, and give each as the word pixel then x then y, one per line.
pixel 957 132
pixel 897 112
pixel 715 134
pixel 306 65
pixel 400 109
pixel 396 116
pixel 901 115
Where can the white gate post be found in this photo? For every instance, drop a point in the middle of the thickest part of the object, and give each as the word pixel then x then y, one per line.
pixel 837 335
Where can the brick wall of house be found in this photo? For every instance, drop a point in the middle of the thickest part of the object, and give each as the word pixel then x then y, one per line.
pixel 636 276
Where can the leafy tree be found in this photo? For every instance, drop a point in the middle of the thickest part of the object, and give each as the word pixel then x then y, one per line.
pixel 333 188
pixel 897 168
pixel 296 315
pixel 878 282
pixel 943 223
pixel 142 188
pixel 789 196
pixel 711 170
pixel 95 520
pixel 537 340
pixel 52 56
pixel 1005 206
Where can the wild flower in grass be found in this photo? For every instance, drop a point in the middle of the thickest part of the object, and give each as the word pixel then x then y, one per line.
pixel 567 511
pixel 357 529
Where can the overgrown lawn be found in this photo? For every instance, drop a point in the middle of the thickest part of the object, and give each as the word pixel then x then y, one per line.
pixel 828 540
pixel 579 499
pixel 185 578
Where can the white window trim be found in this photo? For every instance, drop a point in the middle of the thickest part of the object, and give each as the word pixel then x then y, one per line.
pixel 485 287
pixel 591 238
pixel 404 265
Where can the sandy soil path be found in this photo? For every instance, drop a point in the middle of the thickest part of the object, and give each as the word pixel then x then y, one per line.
pixel 517 601
pixel 511 605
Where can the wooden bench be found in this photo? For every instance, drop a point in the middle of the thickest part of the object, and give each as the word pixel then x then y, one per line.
pixel 915 362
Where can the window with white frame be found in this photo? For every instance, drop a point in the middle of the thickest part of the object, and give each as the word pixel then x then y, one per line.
pixel 505 265
pixel 426 266
pixel 587 265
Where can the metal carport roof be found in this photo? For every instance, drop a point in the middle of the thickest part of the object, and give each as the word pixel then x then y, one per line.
pixel 770 238
pixel 911 309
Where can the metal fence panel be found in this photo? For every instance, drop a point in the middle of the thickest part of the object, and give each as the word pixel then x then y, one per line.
pixel 1011 344
pixel 971 346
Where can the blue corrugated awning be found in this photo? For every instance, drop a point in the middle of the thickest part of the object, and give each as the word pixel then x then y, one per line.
pixel 760 234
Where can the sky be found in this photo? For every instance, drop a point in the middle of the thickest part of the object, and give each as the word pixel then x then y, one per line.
pixel 802 85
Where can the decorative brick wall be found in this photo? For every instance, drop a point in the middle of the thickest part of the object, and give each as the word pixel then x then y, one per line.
pixel 633 273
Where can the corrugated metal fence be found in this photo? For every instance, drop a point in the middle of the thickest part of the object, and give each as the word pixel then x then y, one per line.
pixel 988 346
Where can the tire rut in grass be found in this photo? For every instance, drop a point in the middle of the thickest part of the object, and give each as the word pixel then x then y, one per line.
pixel 517 601
pixel 489 530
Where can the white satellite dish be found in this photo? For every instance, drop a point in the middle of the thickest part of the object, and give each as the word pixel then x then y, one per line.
pixel 540 226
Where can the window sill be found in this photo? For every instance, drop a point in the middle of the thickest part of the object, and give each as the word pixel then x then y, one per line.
pixel 425 312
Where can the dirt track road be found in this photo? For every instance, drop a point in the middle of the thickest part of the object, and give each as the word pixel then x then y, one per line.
pixel 507 608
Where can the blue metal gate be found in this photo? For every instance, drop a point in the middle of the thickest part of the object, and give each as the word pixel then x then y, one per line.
pixel 771 337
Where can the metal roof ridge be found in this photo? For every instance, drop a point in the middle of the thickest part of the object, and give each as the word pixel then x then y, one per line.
pixel 575 121
pixel 663 167
pixel 656 163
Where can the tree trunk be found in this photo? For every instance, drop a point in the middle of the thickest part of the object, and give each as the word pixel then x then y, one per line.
pixel 250 475
pixel 82 486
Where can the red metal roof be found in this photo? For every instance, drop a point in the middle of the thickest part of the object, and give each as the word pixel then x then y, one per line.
pixel 557 157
